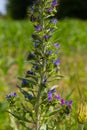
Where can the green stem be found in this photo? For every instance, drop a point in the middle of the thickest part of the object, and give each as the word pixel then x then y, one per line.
pixel 38 110
pixel 81 126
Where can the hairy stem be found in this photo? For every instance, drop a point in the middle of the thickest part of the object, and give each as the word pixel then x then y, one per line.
pixel 38 110
pixel 81 126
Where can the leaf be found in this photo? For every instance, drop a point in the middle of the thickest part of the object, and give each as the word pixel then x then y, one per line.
pixel 28 81
pixel 53 112
pixel 20 118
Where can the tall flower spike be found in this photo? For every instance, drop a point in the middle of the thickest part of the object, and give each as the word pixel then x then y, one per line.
pixel 38 101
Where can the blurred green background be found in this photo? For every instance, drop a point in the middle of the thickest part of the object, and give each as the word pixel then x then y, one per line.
pixel 15 42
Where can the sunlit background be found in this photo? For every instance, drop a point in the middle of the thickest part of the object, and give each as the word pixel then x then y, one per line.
pixel 3 6
pixel 15 41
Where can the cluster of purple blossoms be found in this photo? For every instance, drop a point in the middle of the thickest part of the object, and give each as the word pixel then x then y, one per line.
pixel 62 101
pixel 11 95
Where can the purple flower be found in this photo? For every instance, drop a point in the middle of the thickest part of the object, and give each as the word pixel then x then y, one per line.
pixel 24 82
pixel 51 29
pixel 49 96
pixel 52 90
pixel 14 94
pixel 29 73
pixel 46 37
pixel 38 28
pixel 44 80
pixel 57 97
pixel 57 62
pixel 11 95
pixel 54 3
pixel 49 10
pixel 36 67
pixel 29 96
pixel 30 56
pixel 69 104
pixel 53 20
pixel 63 101
pixel 57 45
pixel 49 52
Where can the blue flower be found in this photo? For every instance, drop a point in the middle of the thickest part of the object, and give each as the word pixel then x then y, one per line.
pixel 44 80
pixel 36 67
pixel 57 45
pixel 37 28
pixel 54 3
pixel 49 96
pixel 53 20
pixel 11 95
pixel 24 82
pixel 57 97
pixel 30 56
pixel 52 90
pixel 14 94
pixel 49 53
pixel 57 62
pixel 49 10
pixel 69 103
pixel 29 96
pixel 46 37
pixel 30 72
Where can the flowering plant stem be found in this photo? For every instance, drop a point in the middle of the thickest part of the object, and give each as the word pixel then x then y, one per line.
pixel 38 110
pixel 81 127
pixel 41 107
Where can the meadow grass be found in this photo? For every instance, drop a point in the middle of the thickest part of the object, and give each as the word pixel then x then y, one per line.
pixel 15 41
